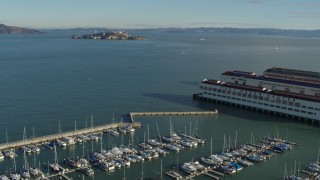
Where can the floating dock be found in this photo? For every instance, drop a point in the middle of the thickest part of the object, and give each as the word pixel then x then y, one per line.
pixel 192 113
pixel 42 139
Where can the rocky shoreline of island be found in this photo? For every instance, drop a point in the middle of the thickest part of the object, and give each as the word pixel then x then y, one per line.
pixel 117 35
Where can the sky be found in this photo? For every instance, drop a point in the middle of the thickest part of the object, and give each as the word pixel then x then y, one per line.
pixel 282 14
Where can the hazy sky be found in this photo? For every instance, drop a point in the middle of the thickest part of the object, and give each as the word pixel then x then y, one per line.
pixel 286 14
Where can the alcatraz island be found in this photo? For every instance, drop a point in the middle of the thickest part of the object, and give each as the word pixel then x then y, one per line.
pixel 118 35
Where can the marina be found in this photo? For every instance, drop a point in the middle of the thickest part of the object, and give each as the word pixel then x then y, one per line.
pixel 57 79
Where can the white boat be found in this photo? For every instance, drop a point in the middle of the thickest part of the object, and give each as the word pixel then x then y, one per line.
pixel 197 165
pixel 3 177
pixel 87 171
pixel 125 150
pixel 106 166
pixel 188 167
pixel 161 151
pixel 209 161
pixel 61 143
pixel 245 162
pixel 26 149
pixel 9 153
pixel 116 151
pixel 84 162
pixel 15 176
pixel 129 128
pixel 34 171
pixel 137 157
pixel 34 148
pixel 153 142
pixel 84 137
pixel 98 156
pixel 1 155
pixel 173 147
pixel 216 158
pixel 123 162
pixel 25 173
pixel 93 137
pixel 69 140
pixel 107 154
pixel 185 143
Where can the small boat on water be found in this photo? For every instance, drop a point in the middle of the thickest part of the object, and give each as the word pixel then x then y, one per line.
pixel 61 143
pixel 1 155
pixel 87 171
pixel 314 167
pixel 116 151
pixel 106 166
pixel 9 153
pixel 197 165
pixel 93 137
pixel 137 157
pixel 161 151
pixel 25 173
pixel 173 147
pixel 174 175
pixel 188 167
pixel 69 140
pixel 3 177
pixel 154 142
pixel 227 169
pixel 245 162
pixel 215 158
pixel 209 161
pixel 26 149
pixel 236 166
pixel 15 176
pixel 84 138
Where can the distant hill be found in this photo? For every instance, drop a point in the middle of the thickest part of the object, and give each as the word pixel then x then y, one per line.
pixel 16 30
pixel 243 31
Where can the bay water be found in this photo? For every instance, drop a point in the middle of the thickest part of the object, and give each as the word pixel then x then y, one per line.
pixel 47 78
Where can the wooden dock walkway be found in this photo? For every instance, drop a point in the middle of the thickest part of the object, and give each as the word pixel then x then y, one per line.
pixel 192 113
pixel 47 138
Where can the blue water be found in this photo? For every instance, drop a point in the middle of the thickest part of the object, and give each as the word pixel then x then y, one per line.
pixel 49 78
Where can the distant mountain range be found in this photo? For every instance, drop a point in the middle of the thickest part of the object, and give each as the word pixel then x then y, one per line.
pixel 16 30
pixel 244 31
pixel 226 30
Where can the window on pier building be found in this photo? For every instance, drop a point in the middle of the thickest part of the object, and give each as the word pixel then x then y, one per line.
pixel 266 99
pixel 238 94
pixel 249 96
pixel 297 104
pixel 284 102
pixel 260 98
pixel 301 92
pixel 255 97
pixel 236 82
pixel 290 103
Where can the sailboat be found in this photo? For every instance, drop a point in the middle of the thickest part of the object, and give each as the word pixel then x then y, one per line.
pixel 13 174
pixel 24 171
pixel 55 166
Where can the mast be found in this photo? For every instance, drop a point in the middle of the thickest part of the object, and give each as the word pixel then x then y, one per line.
pixel 59 130
pixel 101 143
pixel 161 170
pixel 148 131
pixel 112 117
pixel 235 140
pixel 211 146
pixel 158 131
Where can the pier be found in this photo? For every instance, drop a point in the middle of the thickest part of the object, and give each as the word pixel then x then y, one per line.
pixel 190 113
pixel 47 138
